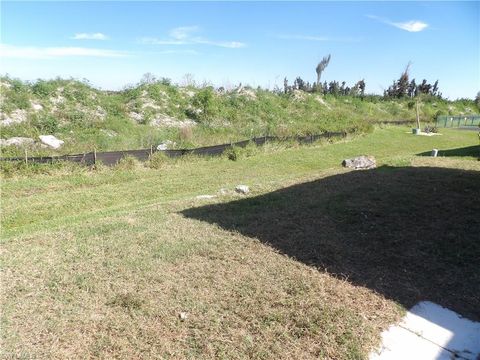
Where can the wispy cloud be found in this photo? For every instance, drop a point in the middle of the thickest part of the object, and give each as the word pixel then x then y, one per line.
pixel 185 35
pixel 410 26
pixel 318 38
pixel 186 51
pixel 90 36
pixel 31 52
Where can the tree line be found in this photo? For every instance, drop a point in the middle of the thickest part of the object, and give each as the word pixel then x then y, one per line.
pixel 401 88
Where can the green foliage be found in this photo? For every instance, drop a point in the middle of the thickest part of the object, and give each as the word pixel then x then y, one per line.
pixel 9 169
pixel 44 88
pixel 237 153
pixel 127 163
pixel 221 116
pixel 45 123
pixel 157 160
pixel 204 99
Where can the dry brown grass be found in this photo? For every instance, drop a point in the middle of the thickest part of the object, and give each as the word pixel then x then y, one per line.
pixel 115 289
pixel 100 264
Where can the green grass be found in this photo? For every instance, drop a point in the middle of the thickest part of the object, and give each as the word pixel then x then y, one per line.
pixel 100 263
pixel 87 118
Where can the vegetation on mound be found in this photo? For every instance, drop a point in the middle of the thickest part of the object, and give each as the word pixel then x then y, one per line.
pixel 157 110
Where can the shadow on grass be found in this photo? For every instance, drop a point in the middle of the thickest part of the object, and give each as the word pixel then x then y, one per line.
pixel 473 151
pixel 410 234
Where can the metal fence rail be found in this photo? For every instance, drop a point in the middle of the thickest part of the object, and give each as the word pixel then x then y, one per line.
pixel 111 158
pixel 458 120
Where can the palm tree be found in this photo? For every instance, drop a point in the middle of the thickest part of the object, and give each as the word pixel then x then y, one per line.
pixel 321 66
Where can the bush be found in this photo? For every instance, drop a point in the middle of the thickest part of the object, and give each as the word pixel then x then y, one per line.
pixel 236 153
pixel 127 163
pixel 204 99
pixel 157 160
pixel 45 123
pixel 44 88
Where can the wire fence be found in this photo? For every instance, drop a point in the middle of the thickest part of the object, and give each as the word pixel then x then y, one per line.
pixel 458 120
pixel 111 158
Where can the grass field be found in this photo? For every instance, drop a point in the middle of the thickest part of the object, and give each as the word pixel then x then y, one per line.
pixel 314 263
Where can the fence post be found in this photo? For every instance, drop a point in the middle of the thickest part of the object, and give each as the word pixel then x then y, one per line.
pixel 26 157
pixel 94 156
pixel 151 150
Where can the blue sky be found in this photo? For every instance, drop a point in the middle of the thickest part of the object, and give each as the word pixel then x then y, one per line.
pixel 258 43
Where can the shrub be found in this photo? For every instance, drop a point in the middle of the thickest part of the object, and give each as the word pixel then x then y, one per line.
pixel 45 123
pixel 236 153
pixel 127 163
pixel 204 99
pixel 44 88
pixel 157 160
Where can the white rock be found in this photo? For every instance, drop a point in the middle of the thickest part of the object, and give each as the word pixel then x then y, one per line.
pixel 162 120
pixel 17 141
pixel 136 116
pixel 205 197
pixel 36 107
pixel 166 145
pixel 242 189
pixel 183 316
pixel 360 162
pixel 16 117
pixel 51 141
pixel 57 100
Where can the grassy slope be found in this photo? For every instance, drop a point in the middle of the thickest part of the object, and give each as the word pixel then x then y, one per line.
pixel 101 263
pixel 86 118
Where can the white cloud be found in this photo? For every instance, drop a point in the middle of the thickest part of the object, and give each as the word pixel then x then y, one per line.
pixel 31 52
pixel 183 32
pixel 184 35
pixel 90 36
pixel 410 26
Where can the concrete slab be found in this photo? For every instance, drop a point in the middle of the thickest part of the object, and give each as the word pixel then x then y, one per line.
pixel 430 331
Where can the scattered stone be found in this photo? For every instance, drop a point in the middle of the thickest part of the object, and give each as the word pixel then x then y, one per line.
pixel 242 189
pixel 205 197
pixel 248 93
pixel 162 120
pixel 360 162
pixel 57 100
pixel 223 191
pixel 166 145
pixel 298 95
pixel 17 141
pixel 109 133
pixel 183 316
pixel 51 141
pixel 35 106
pixel 136 116
pixel 16 117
